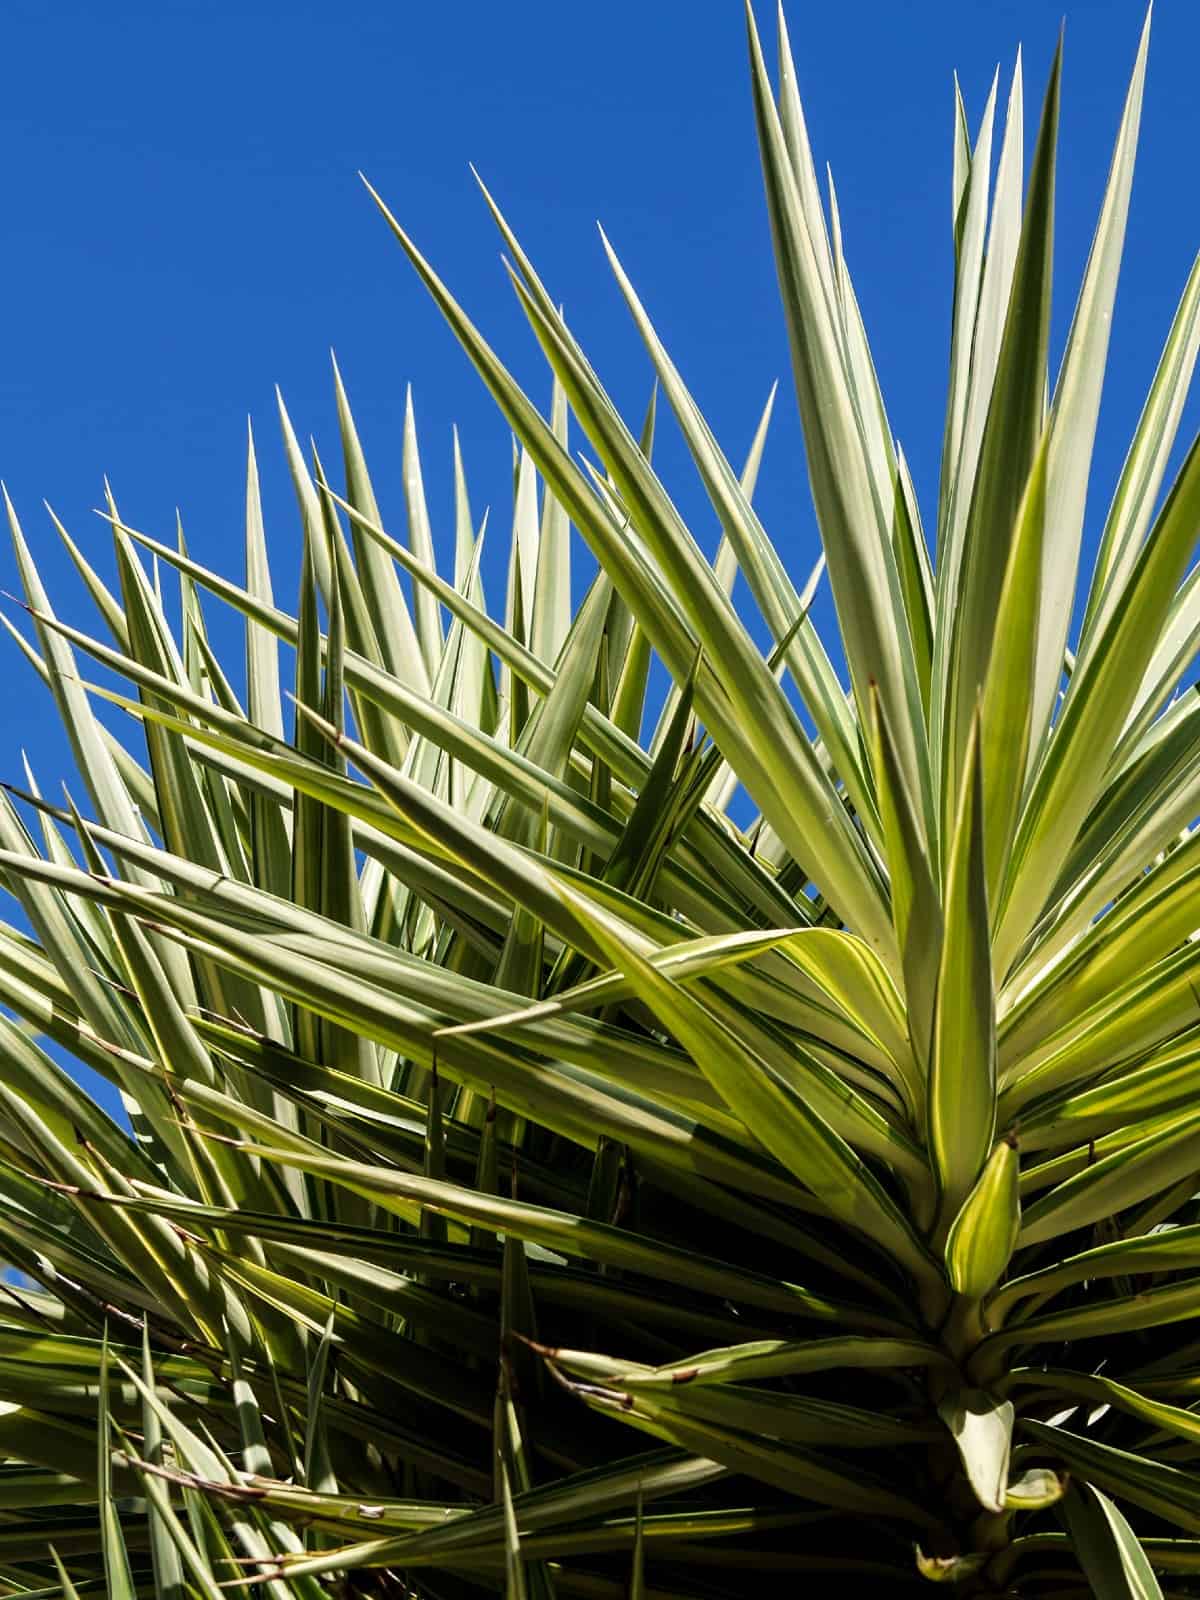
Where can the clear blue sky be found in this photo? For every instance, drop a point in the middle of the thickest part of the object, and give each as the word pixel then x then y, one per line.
pixel 183 228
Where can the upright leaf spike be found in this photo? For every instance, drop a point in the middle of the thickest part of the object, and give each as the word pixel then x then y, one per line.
pixel 1076 404
pixel 1009 446
pixel 962 1079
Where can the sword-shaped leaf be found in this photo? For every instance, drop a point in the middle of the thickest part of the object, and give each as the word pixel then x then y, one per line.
pixel 961 1105
pixel 1108 1549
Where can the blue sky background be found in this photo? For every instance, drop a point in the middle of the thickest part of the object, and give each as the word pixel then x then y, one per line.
pixel 183 228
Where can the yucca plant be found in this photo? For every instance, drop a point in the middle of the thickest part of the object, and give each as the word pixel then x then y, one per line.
pixel 585 1143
